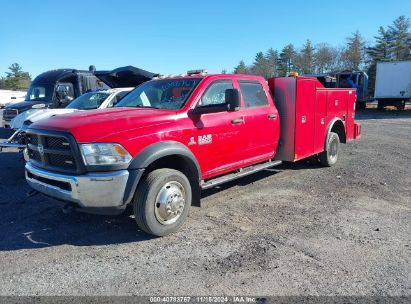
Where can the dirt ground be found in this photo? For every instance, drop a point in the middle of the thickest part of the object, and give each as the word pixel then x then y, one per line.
pixel 297 229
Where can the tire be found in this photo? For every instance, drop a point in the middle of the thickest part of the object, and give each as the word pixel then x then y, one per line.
pixel 329 157
pixel 159 190
pixel 361 106
pixel 380 106
pixel 401 106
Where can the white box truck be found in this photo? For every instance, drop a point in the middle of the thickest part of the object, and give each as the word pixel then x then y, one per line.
pixel 393 84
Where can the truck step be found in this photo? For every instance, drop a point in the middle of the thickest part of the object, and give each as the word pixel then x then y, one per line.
pixel 240 173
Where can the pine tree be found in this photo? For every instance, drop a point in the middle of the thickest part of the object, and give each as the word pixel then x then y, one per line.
pixel 272 58
pixel 287 57
pixel 260 66
pixel 354 52
pixel 241 68
pixel 382 50
pixel 306 59
pixel 16 79
pixel 401 38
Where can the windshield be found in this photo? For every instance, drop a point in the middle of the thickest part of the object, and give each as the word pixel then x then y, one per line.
pixel 169 94
pixel 88 101
pixel 40 92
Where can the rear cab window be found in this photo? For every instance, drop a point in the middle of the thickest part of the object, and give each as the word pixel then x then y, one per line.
pixel 253 94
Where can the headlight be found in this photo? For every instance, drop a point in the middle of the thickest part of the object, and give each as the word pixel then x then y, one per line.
pixel 104 154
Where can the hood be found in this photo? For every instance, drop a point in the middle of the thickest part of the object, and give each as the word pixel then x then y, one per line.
pixel 103 124
pixel 124 77
pixel 35 115
pixel 25 105
pixel 4 101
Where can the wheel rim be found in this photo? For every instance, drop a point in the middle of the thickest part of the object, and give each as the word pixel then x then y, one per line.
pixel 170 203
pixel 333 150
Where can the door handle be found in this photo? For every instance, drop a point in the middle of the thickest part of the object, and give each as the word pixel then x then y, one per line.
pixel 272 116
pixel 237 121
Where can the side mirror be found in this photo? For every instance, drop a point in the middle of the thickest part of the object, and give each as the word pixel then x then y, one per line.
pixel 223 107
pixel 232 99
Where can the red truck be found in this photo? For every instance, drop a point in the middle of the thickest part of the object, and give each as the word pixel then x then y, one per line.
pixel 172 137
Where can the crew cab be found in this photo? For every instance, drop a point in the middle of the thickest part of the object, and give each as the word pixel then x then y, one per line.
pixel 172 137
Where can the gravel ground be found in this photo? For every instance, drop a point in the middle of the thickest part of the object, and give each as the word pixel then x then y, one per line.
pixel 297 229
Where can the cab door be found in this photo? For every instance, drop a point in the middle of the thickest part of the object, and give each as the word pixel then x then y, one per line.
pixel 217 140
pixel 261 122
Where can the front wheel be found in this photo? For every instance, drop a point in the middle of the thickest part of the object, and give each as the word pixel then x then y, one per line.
pixel 162 201
pixel 329 157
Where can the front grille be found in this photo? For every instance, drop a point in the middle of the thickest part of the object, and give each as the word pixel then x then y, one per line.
pixel 9 114
pixel 32 139
pixel 53 152
pixel 63 161
pixel 35 155
pixel 57 143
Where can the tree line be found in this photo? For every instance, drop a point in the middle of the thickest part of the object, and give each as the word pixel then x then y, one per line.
pixel 16 79
pixel 390 44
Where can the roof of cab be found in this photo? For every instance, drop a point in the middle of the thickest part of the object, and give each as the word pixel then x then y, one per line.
pixel 216 76
pixel 55 75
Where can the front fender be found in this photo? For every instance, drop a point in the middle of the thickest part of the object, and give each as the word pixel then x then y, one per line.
pixel 156 151
pixel 161 149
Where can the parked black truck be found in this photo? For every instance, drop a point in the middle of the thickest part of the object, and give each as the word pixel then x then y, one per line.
pixel 57 88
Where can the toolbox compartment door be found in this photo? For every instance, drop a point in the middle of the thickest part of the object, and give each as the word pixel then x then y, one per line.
pixel 321 121
pixel 304 118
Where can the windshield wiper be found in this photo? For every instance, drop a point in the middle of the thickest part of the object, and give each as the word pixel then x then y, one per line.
pixel 35 99
pixel 148 107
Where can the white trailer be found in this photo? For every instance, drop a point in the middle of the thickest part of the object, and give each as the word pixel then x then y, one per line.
pixel 393 84
pixel 8 97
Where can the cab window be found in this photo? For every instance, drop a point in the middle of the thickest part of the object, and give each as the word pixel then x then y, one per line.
pixel 253 94
pixel 117 98
pixel 215 93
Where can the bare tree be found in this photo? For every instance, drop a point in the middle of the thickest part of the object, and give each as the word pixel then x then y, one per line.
pixel 326 58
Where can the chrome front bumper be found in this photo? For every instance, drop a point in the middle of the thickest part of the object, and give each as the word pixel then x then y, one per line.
pixel 92 190
pixel 13 141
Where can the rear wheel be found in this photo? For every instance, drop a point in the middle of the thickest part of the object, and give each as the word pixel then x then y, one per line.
pixel 401 105
pixel 361 105
pixel 380 105
pixel 329 156
pixel 162 201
